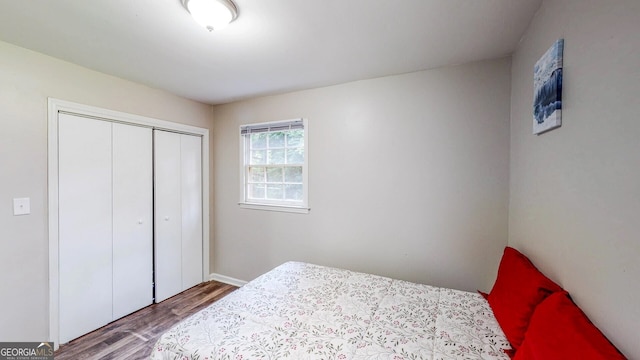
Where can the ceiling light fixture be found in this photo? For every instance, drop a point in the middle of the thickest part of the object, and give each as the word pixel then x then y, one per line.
pixel 212 14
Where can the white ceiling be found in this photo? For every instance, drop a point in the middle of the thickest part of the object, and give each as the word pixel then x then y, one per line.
pixel 274 46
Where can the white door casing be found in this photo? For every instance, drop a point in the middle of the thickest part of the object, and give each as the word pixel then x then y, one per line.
pixel 57 108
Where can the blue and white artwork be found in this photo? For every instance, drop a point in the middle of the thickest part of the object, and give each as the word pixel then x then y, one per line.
pixel 547 85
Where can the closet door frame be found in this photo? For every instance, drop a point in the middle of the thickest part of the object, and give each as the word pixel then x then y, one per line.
pixel 56 106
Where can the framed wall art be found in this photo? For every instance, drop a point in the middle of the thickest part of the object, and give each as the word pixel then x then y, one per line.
pixel 547 84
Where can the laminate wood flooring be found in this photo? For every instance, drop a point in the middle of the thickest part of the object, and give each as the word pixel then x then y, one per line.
pixel 133 336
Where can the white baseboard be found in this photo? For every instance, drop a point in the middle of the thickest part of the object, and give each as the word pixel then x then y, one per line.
pixel 227 280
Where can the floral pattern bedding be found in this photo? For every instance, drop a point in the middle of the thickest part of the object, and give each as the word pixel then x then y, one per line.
pixel 304 311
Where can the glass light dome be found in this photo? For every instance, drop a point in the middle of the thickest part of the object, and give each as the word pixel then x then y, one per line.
pixel 212 14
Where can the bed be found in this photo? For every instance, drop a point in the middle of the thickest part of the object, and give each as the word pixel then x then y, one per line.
pixel 305 311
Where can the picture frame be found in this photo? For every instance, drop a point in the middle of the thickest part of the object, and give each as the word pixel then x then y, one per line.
pixel 547 84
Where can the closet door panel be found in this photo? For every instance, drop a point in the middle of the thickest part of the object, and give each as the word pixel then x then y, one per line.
pixel 191 170
pixel 132 219
pixel 85 233
pixel 168 219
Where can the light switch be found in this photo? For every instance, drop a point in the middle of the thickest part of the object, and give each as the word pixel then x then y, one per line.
pixel 21 206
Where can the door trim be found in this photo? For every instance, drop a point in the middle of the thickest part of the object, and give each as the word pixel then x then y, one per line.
pixel 56 106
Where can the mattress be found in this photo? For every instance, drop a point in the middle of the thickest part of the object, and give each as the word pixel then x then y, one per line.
pixel 305 311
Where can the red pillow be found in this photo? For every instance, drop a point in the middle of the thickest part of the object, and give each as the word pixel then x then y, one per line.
pixel 519 288
pixel 560 330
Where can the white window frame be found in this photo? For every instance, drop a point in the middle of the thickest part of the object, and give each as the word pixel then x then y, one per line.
pixel 247 203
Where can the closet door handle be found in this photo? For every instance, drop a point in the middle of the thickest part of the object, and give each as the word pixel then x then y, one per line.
pixel 166 218
pixel 140 221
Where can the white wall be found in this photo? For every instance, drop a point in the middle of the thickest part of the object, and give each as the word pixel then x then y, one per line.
pixel 27 79
pixel 575 191
pixel 408 178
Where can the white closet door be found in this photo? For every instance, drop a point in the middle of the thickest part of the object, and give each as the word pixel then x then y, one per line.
pixel 191 178
pixel 85 208
pixel 168 218
pixel 132 219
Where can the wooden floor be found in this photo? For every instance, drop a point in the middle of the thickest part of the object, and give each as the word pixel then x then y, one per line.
pixel 133 336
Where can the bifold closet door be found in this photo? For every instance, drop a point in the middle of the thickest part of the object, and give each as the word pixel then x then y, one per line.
pixel 105 214
pixel 85 225
pixel 178 212
pixel 168 218
pixel 132 219
pixel 191 204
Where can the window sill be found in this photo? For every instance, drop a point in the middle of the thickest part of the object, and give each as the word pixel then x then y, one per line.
pixel 280 208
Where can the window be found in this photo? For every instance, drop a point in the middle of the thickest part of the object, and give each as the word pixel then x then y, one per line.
pixel 274 166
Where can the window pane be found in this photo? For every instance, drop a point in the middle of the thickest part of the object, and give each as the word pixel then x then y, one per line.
pixel 256 191
pixel 256 174
pixel 276 157
pixel 259 141
pixel 274 192
pixel 295 138
pixel 258 157
pixel 293 174
pixel 293 192
pixel 273 164
pixel 295 156
pixel 274 174
pixel 276 139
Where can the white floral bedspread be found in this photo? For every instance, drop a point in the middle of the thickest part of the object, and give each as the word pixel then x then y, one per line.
pixel 304 311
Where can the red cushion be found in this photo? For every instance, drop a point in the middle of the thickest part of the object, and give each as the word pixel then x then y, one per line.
pixel 560 330
pixel 519 288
